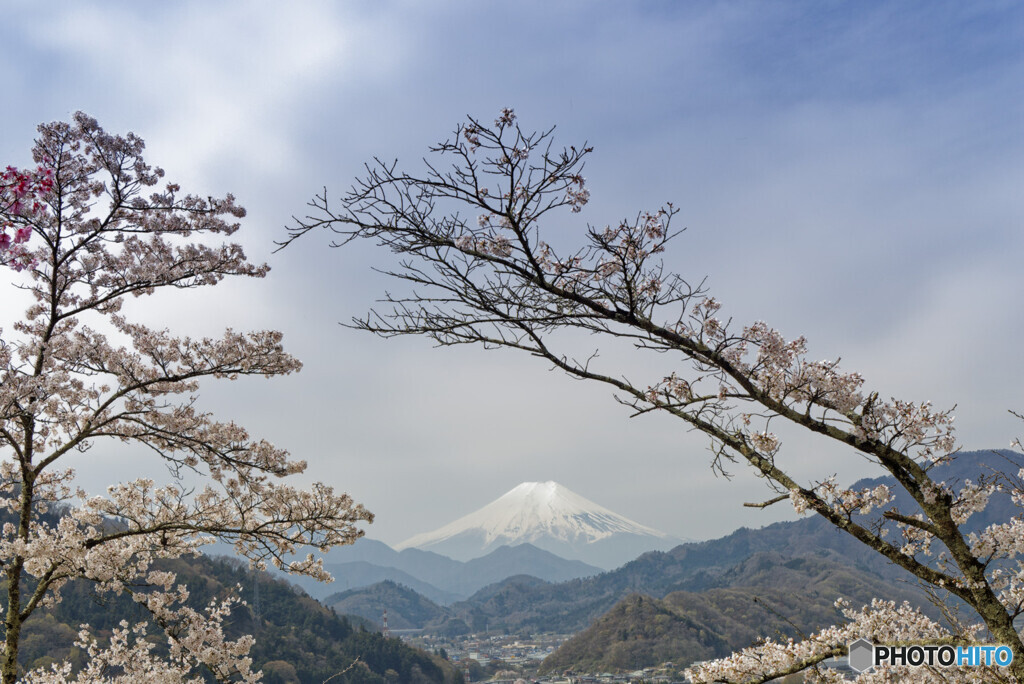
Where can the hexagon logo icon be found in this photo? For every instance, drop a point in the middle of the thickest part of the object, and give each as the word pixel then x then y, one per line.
pixel 862 655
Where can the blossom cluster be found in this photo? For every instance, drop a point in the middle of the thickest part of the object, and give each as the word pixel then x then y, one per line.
pixel 972 498
pixel 911 425
pixel 674 386
pixel 883 622
pixel 781 376
pixel 844 501
pixel 22 200
pixel 114 541
pixel 577 195
pixel 194 639
pixel 498 245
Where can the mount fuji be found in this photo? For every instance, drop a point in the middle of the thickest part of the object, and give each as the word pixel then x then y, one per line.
pixel 550 517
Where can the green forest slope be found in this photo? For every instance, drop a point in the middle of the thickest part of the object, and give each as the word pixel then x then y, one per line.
pixel 297 639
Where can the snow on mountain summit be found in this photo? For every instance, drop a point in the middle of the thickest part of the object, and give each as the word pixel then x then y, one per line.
pixel 549 516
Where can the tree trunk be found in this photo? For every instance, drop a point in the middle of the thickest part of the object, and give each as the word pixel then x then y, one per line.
pixel 9 669
pixel 1003 633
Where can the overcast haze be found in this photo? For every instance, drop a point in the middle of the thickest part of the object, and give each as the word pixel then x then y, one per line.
pixel 852 172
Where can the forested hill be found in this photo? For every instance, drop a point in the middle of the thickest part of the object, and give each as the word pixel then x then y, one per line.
pixel 766 595
pixel 406 608
pixel 528 604
pixel 297 639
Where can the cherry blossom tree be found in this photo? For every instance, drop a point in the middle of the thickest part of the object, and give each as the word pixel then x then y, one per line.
pixel 97 225
pixel 477 239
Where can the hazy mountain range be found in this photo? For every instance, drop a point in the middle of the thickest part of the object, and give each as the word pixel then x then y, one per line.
pixel 541 529
pixel 771 580
pixel 439 578
pixel 547 513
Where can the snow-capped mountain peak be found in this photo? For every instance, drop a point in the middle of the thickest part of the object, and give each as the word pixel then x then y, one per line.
pixel 547 515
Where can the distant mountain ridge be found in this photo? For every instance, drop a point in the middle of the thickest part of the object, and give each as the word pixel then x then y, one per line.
pixel 698 566
pixel 438 578
pixel 703 593
pixel 801 586
pixel 548 516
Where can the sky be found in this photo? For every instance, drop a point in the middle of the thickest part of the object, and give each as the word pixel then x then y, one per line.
pixel 851 172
